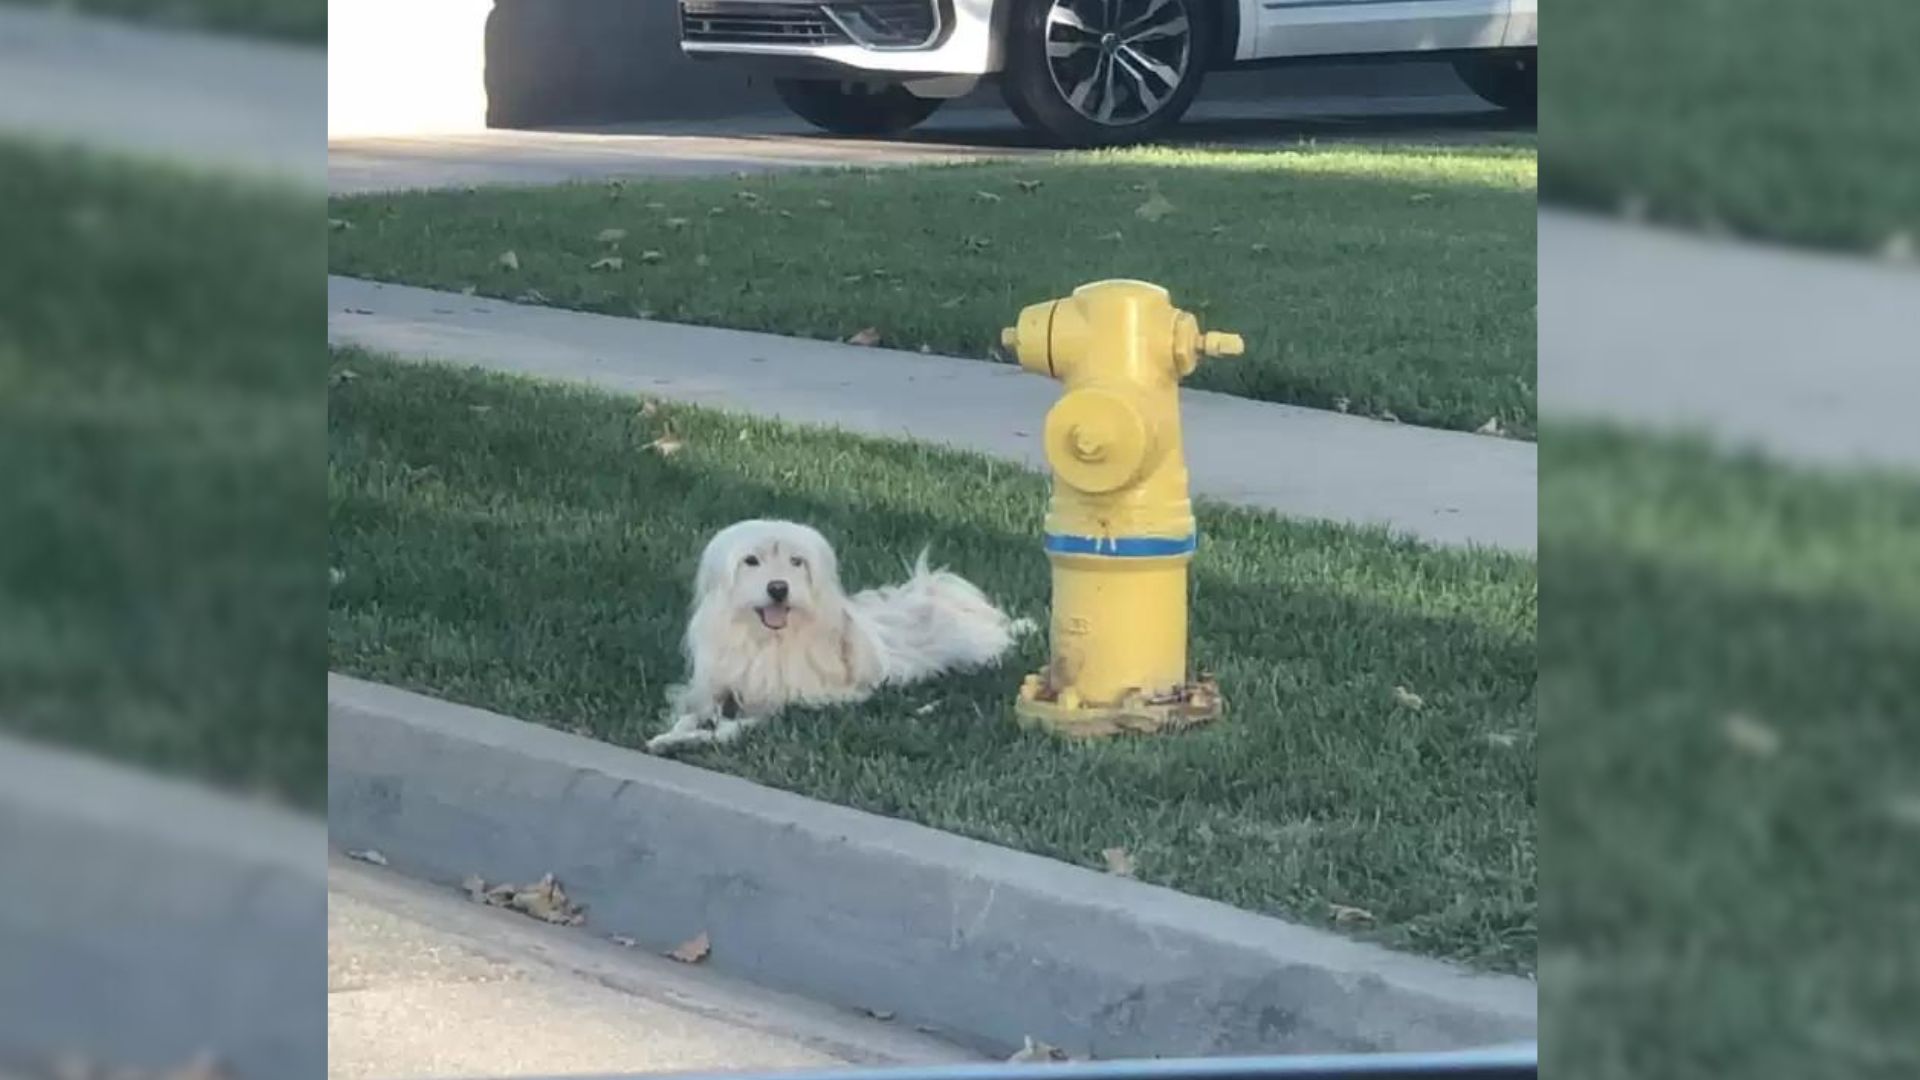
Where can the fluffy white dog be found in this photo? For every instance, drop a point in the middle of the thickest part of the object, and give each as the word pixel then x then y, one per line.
pixel 772 627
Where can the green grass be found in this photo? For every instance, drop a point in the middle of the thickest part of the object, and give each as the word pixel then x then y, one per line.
pixel 162 429
pixel 1721 904
pixel 514 545
pixel 1769 118
pixel 301 21
pixel 1394 279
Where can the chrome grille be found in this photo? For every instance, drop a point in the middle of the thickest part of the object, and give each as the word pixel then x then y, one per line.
pixel 757 24
pixel 888 23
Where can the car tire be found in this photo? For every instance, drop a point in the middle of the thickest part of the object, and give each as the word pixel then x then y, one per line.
pixel 1074 75
pixel 1509 81
pixel 853 109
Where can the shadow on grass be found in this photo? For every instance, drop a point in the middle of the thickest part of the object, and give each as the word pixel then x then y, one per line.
pixel 1693 858
pixel 516 548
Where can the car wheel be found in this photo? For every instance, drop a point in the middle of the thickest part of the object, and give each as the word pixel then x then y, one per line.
pixel 1104 72
pixel 1508 81
pixel 853 108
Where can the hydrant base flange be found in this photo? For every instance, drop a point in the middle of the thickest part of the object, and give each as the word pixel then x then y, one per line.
pixel 1194 704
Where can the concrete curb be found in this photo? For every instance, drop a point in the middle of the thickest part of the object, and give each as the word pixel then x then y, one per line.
pixel 977 943
pixel 1444 487
pixel 153 921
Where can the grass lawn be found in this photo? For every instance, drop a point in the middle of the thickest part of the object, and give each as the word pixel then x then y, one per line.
pixel 1731 764
pixel 515 545
pixel 301 21
pixel 1391 279
pixel 1771 118
pixel 162 431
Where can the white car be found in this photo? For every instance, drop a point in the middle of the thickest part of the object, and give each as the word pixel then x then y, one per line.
pixel 1086 72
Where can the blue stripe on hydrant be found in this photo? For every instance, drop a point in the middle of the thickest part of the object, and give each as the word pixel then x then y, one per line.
pixel 1123 547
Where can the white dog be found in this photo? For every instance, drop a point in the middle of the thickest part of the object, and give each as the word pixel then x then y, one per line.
pixel 771 627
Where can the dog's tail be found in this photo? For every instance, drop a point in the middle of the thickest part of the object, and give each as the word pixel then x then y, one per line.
pixel 922 567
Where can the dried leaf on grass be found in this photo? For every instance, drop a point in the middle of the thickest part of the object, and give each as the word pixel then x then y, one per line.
pixel 607 262
pixel 1027 186
pixel 623 941
pixel 508 260
pixel 1342 404
pixel 1119 861
pixel 667 445
pixel 1750 736
pixel 986 196
pixel 692 952
pixel 1345 914
pixel 335 224
pixel 544 899
pixel 532 296
pixel 880 1014
pixel 1491 427
pixel 1404 696
pixel 869 336
pixel 1035 1050
pixel 369 855
pixel 651 256
pixel 611 236
pixel 1156 207
pixel 676 223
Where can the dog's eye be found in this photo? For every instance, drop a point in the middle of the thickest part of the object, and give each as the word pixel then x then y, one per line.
pixel 753 560
pixel 798 561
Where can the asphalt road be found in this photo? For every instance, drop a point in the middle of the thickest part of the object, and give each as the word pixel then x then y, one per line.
pixel 423 983
pixel 1423 103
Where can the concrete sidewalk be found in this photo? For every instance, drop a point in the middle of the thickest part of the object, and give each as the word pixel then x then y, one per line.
pixel 1441 486
pixel 422 982
pixel 1807 356
pixel 200 100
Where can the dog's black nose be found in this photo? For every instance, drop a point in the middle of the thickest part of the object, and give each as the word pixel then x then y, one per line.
pixel 777 590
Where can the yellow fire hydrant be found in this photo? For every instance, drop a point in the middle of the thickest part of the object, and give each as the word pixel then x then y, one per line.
pixel 1120 531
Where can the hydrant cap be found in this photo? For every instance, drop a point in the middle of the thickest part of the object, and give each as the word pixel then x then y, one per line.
pixel 1097 440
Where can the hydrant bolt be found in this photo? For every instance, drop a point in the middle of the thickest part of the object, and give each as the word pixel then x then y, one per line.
pixel 1088 445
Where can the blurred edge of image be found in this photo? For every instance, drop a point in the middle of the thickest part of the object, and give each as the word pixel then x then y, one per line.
pixel 162 549
pixel 1730 580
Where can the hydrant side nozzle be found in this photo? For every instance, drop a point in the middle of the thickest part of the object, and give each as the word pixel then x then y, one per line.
pixel 1031 340
pixel 1219 344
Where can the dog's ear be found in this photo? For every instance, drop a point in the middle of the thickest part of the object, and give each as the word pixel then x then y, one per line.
pixel 825 564
pixel 715 569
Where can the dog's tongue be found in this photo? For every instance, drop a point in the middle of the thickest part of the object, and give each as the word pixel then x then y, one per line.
pixel 773 616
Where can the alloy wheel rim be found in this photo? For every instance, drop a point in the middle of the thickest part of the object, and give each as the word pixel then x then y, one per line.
pixel 1118 62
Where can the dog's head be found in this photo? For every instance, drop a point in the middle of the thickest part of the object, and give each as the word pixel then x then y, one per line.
pixel 777 572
